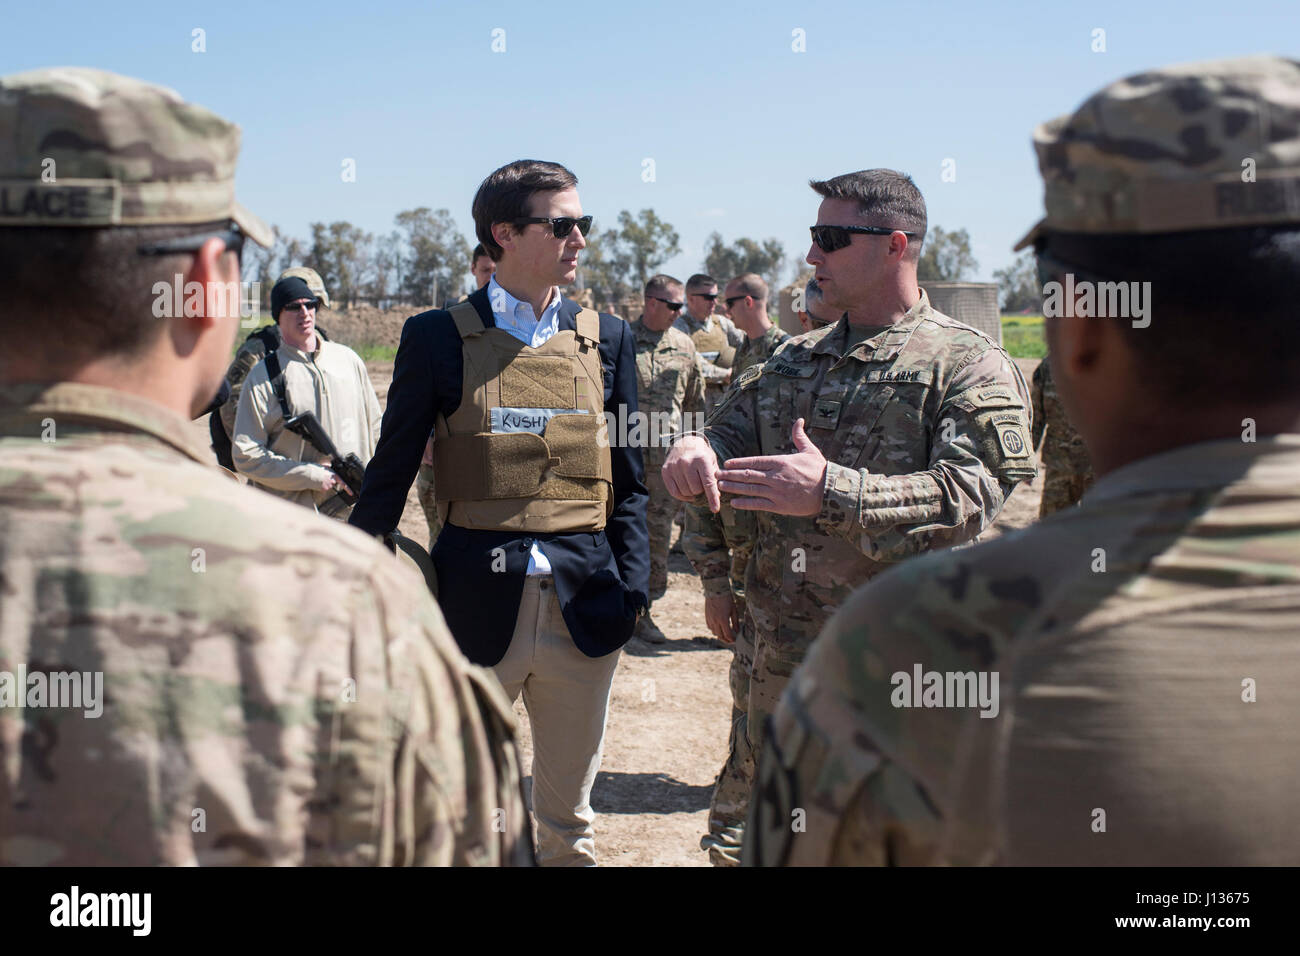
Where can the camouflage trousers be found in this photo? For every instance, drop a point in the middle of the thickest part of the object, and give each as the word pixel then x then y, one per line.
pixel 770 673
pixel 730 799
pixel 424 491
pixel 1062 489
pixel 659 514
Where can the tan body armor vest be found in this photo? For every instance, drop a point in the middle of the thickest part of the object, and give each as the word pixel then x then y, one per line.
pixel 510 478
pixel 714 339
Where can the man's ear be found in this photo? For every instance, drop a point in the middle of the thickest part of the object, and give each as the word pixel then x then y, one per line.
pixel 898 244
pixel 503 234
pixel 208 268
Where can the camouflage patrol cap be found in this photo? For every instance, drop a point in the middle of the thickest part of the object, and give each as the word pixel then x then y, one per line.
pixel 1211 145
pixel 87 147
pixel 313 280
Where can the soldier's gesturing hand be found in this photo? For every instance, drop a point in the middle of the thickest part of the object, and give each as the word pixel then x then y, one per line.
pixel 690 470
pixel 784 484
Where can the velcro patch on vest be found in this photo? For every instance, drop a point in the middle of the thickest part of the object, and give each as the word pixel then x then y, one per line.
pixel 509 421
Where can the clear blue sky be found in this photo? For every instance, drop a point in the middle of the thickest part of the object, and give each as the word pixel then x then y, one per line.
pixel 735 120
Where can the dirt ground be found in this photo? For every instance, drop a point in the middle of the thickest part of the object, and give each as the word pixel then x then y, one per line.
pixel 669 715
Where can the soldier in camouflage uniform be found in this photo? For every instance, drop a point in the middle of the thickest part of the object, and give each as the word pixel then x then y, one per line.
pixel 716 338
pixel 719 546
pixel 671 388
pixel 1067 472
pixel 276 687
pixel 1148 703
pixel 862 443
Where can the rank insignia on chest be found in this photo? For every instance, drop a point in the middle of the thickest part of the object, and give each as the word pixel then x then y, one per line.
pixel 826 414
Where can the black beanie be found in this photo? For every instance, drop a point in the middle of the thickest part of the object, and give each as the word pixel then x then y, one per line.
pixel 288 290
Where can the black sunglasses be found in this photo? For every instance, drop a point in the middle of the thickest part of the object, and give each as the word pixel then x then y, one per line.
pixel 561 226
pixel 706 295
pixel 232 237
pixel 674 306
pixel 830 238
pixel 734 299
pixel 311 305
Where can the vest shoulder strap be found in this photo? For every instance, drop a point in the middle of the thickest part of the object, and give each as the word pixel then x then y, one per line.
pixel 588 322
pixel 275 375
pixel 466 318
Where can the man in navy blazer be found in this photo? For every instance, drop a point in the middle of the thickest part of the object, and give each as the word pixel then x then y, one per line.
pixel 547 610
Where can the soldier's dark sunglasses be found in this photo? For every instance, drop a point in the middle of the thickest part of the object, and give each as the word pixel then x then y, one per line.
pixel 561 226
pixel 830 238
pixel 734 299
pixel 232 237
pixel 674 306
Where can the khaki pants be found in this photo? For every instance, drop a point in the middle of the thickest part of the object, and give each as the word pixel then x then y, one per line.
pixel 567 697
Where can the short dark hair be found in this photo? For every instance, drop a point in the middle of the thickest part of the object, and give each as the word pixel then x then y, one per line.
pixel 699 281
pixel 1223 306
pixel 658 285
pixel 885 197
pixel 752 284
pixel 71 295
pixel 505 194
pixel 478 253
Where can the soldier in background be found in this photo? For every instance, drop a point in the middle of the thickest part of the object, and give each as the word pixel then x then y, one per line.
pixel 895 431
pixel 305 374
pixel 253 350
pixel 715 337
pixel 276 689
pixel 1147 710
pixel 745 300
pixel 1067 472
pixel 481 268
pixel 719 546
pixel 815 313
pixel 670 387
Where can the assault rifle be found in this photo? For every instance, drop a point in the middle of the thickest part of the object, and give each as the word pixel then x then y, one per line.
pixel 348 467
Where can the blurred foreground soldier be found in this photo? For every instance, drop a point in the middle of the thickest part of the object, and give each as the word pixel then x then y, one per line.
pixel 815 313
pixel 670 390
pixel 481 267
pixel 1147 703
pixel 542 559
pixel 276 444
pixel 255 348
pixel 1067 472
pixel 862 443
pixel 715 337
pixel 719 546
pixel 242 682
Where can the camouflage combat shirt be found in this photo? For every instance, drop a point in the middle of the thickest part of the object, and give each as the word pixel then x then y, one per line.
pixel 925 427
pixel 276 687
pixel 1148 706
pixel 669 382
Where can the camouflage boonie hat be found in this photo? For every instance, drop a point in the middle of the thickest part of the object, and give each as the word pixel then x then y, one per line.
pixel 1210 145
pixel 87 147
pixel 313 280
